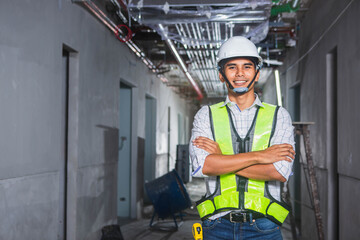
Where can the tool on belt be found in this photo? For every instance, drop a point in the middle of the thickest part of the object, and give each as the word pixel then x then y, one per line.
pixel 197 231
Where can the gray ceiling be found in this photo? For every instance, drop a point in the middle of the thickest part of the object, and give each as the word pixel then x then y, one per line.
pixel 179 39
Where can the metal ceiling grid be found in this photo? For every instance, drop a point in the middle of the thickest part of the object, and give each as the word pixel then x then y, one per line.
pixel 178 39
pixel 200 27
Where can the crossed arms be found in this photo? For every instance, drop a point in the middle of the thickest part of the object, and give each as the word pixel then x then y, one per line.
pixel 255 165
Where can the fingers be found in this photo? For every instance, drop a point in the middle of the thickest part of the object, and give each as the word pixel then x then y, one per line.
pixel 207 148
pixel 287 156
pixel 281 152
pixel 201 141
pixel 284 147
pixel 207 144
pixel 203 144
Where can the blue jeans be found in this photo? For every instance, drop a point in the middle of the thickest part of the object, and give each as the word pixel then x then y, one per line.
pixel 222 228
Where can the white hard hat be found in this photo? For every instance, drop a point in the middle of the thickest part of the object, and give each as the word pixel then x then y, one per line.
pixel 238 46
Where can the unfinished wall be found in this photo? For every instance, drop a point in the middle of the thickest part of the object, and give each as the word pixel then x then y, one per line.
pixel 329 26
pixel 33 121
pixel 269 91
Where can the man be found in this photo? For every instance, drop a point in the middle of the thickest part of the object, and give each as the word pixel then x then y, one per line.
pixel 244 148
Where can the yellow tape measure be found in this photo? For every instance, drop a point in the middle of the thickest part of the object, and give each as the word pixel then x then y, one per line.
pixel 197 231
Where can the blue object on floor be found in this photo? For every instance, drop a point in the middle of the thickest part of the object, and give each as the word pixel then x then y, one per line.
pixel 168 195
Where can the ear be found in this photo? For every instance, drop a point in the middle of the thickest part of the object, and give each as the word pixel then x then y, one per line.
pixel 257 76
pixel 221 77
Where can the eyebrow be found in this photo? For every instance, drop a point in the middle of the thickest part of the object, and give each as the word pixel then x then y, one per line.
pixel 233 64
pixel 251 64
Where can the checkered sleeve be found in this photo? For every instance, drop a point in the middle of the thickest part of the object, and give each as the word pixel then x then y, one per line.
pixel 201 127
pixel 284 133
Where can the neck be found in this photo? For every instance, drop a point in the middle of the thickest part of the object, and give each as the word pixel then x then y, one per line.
pixel 243 101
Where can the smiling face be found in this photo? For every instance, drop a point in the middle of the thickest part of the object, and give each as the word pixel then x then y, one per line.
pixel 239 72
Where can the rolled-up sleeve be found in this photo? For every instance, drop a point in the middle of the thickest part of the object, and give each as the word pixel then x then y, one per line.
pixel 201 127
pixel 284 133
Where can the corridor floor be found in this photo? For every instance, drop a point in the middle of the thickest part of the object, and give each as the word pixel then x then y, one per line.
pixel 140 230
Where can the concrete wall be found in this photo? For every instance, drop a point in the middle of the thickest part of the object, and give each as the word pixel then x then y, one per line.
pixel 329 25
pixel 269 90
pixel 33 120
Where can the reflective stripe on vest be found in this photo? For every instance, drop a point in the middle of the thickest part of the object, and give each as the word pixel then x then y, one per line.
pixel 229 196
pixel 254 198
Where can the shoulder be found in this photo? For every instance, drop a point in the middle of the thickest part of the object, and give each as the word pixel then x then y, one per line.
pixel 283 113
pixel 283 119
pixel 204 110
pixel 202 115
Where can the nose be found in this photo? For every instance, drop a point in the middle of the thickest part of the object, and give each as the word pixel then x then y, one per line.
pixel 239 72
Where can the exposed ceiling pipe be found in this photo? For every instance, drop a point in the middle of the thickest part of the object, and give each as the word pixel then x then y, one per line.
pixel 212 54
pixel 205 57
pixel 218 90
pixel 190 54
pixel 116 30
pixel 197 56
pixel 100 15
pixel 182 64
pixel 218 33
pixel 119 4
pixel 295 4
pixel 122 4
pixel 201 28
pixel 244 19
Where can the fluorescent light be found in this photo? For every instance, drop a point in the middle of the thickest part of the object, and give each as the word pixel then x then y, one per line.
pixel 278 90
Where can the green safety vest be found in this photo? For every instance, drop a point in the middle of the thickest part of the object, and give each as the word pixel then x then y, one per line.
pixel 256 197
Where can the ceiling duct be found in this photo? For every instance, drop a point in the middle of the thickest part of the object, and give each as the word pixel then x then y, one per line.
pixel 246 18
pixel 199 27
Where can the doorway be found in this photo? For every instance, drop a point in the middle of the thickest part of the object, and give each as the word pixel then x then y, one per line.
pixel 295 180
pixel 124 163
pixel 63 166
pixel 68 166
pixel 332 145
pixel 150 141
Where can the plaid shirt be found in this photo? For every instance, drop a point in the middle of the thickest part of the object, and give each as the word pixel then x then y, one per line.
pixel 284 133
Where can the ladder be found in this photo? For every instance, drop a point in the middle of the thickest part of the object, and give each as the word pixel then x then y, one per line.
pixel 302 128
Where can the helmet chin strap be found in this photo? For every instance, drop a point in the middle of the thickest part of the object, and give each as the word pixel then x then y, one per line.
pixel 239 90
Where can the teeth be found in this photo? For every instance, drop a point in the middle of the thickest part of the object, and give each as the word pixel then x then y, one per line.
pixel 239 81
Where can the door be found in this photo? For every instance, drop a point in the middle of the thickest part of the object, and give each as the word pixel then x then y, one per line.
pixel 295 180
pixel 332 146
pixel 124 152
pixel 150 131
pixel 64 158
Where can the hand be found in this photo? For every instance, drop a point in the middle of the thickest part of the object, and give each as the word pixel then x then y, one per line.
pixel 207 144
pixel 277 153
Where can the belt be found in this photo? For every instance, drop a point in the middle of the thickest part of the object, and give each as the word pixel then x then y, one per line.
pixel 236 217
